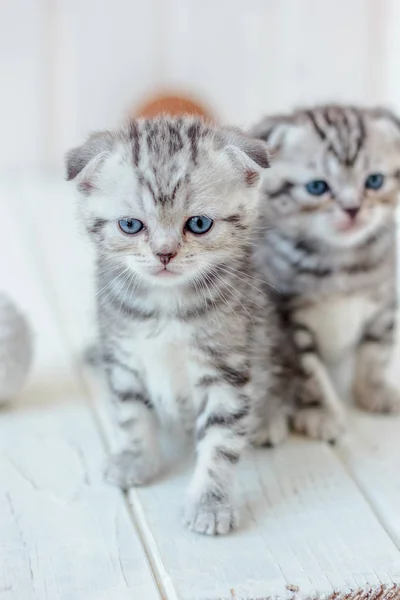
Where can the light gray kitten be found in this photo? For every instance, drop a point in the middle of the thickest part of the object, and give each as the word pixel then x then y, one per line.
pixel 330 248
pixel 184 328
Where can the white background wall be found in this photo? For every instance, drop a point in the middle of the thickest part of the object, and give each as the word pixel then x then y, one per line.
pixel 69 66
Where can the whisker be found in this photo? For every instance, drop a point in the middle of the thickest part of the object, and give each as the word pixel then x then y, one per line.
pixel 199 291
pixel 234 271
pixel 130 278
pixel 209 285
pixel 229 288
pixel 110 283
pixel 233 291
pixel 211 297
pixel 120 281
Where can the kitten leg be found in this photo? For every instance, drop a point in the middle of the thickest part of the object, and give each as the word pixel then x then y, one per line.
pixel 138 459
pixel 273 377
pixel 325 421
pixel 221 429
pixel 272 423
pixel 372 390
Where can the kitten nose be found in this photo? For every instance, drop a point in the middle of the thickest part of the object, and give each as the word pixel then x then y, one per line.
pixel 165 258
pixel 352 211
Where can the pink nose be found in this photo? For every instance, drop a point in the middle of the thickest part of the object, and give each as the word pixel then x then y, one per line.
pixel 352 211
pixel 165 258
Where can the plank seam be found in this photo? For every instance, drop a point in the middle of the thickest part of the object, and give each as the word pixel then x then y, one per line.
pixel 156 567
pixel 364 492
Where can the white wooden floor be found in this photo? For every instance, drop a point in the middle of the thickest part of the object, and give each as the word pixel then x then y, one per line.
pixel 315 518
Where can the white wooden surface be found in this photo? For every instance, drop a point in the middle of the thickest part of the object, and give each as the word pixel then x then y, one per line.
pixel 70 66
pixel 315 517
pixel 64 534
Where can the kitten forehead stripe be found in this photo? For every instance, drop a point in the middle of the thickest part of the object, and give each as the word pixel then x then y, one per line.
pixel 134 136
pixel 343 128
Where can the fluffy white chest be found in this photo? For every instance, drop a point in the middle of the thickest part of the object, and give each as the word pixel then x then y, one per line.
pixel 165 362
pixel 337 323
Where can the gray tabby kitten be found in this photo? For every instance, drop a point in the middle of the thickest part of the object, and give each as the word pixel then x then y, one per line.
pixel 184 329
pixel 329 246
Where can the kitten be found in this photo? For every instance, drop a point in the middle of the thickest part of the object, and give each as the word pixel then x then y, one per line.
pixel 184 329
pixel 329 246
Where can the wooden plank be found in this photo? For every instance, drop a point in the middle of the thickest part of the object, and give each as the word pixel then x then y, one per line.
pixel 24 98
pixel 109 66
pixel 46 209
pixel 304 525
pixel 269 48
pixel 389 83
pixel 309 67
pixel 305 522
pixel 212 70
pixel 372 456
pixel 64 534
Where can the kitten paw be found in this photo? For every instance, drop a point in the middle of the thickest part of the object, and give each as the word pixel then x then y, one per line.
pixel 273 432
pixel 309 393
pixel 129 468
pixel 385 399
pixel 209 516
pixel 319 423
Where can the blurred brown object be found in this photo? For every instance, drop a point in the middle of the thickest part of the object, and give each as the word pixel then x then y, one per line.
pixel 172 105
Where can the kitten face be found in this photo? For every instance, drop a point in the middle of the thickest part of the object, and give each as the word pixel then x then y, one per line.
pixel 335 175
pixel 169 199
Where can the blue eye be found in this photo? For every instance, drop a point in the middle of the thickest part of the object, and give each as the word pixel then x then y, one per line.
pixel 374 181
pixel 199 224
pixel 317 187
pixel 130 226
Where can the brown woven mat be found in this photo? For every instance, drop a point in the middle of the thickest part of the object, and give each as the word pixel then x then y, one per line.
pixel 382 592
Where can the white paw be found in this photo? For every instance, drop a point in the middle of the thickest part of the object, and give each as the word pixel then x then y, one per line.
pixel 319 423
pixel 385 399
pixel 209 516
pixel 129 468
pixel 272 432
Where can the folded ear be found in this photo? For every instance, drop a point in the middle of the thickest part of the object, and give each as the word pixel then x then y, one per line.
pixel 78 158
pixel 252 154
pixel 273 131
pixel 384 113
pixel 387 121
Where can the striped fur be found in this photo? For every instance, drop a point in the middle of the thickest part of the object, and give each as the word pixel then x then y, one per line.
pixel 336 274
pixel 194 345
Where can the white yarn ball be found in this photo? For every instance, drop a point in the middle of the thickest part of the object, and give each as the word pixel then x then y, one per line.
pixel 16 349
